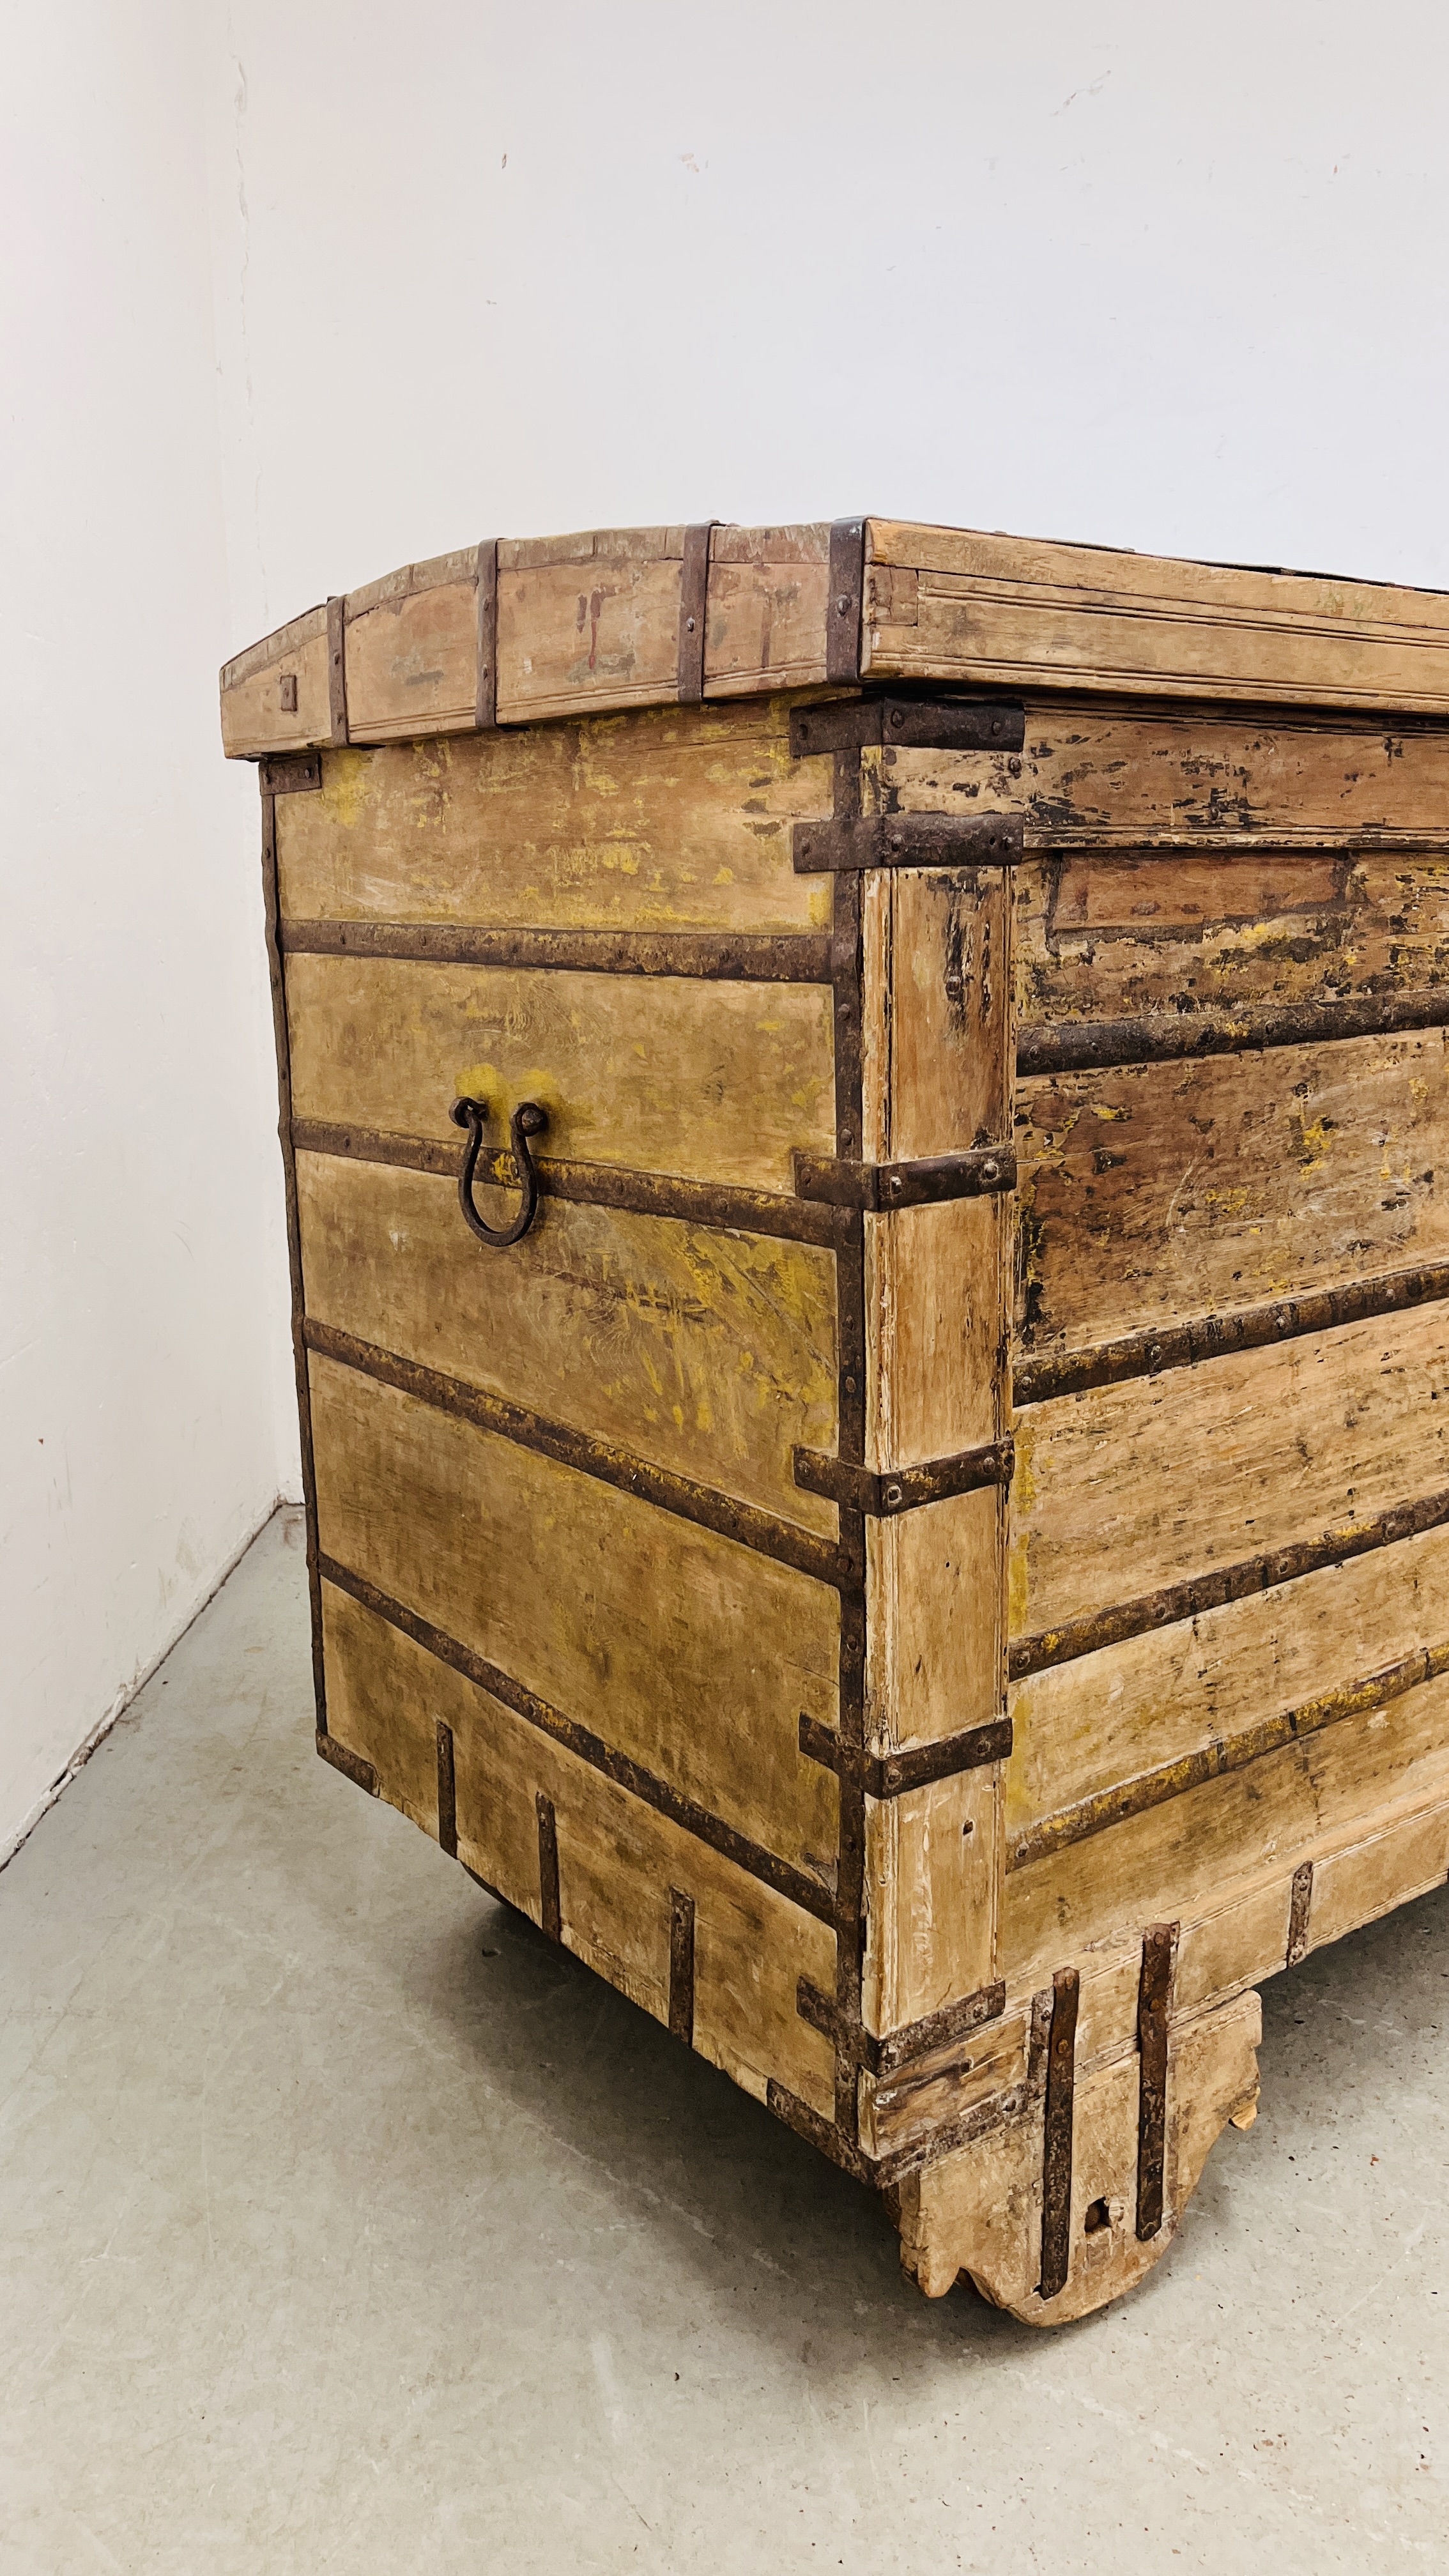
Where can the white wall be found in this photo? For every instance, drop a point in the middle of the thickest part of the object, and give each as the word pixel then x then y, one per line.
pixel 1162 277
pixel 1170 278
pixel 142 1357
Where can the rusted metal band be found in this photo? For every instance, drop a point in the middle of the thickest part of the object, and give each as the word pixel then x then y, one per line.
pixel 1165 1037
pixel 337 670
pixel 681 1966
pixel 719 1206
pixel 895 1775
pixel 885 1494
pixel 742 958
pixel 794 1884
pixel 876 1188
pixel 485 701
pixel 1089 1816
pixel 1300 1906
pixel 291 773
pixel 351 1765
pixel 824 2134
pixel 908 724
pixel 1098 1628
pixel 550 1906
pixel 693 604
pixel 667 1492
pixel 447 1791
pixel 1154 1989
pixel 1212 1337
pixel 907 841
pixel 1056 2193
pixel 893 2050
pixel 844 600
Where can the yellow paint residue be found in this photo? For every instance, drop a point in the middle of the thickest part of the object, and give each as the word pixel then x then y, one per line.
pixel 344 787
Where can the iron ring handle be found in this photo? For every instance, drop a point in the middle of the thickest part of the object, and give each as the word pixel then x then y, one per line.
pixel 528 1119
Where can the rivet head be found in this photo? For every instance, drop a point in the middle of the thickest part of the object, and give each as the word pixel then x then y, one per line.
pixel 990 1171
pixel 895 1185
pixel 842 603
pixel 689 625
pixel 892 1495
pixel 897 716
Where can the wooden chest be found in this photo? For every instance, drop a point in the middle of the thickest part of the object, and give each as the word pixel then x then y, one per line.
pixel 864 1112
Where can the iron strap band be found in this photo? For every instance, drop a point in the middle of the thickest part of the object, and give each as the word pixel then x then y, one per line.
pixel 882 1494
pixel 878 1187
pixel 908 841
pixel 895 1775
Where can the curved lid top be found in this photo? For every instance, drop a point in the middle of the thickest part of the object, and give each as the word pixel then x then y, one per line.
pixel 519 630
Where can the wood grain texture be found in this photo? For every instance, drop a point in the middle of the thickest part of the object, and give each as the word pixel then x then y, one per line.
pixel 412 650
pixel 678 819
pixel 1153 1192
pixel 1105 779
pixel 1115 1715
pixel 1021 612
pixel 713 1081
pixel 254 714
pixel 710 1353
pixel 1333 1786
pixel 683 1650
pixel 617 1859
pixel 1128 935
pixel 1207 1466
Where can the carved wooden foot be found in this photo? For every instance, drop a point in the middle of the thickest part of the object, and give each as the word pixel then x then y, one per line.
pixel 988 2209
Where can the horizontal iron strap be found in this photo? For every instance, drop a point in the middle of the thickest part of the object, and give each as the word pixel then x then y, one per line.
pixel 908 841
pixel 895 2050
pixel 1210 1337
pixel 717 1205
pixel 787 1881
pixel 290 773
pixel 894 1775
pixel 911 724
pixel 746 958
pixel 1164 1037
pixel 764 1532
pixel 902 1489
pixel 883 2171
pixel 878 1187
pixel 1177 1601
pixel 1088 1816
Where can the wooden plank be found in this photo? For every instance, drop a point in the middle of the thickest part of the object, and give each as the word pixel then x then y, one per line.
pixel 258 711
pixel 1100 778
pixel 588 619
pixel 711 1354
pixel 1112 1716
pixel 768 605
pixel 412 650
pixel 1385 1870
pixel 1173 1860
pixel 692 1655
pixel 1018 612
pixel 713 1081
pixel 617 1860
pixel 679 819
pixel 1150 1192
pixel 1207 1466
pixel 1124 936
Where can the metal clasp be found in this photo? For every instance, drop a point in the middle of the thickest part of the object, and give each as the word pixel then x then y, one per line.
pixel 529 1119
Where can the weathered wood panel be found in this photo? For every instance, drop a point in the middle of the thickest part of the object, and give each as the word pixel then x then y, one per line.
pixel 412 650
pixel 712 1354
pixel 680 1648
pixel 587 617
pixel 1103 779
pixel 1126 1489
pixel 1017 611
pixel 256 714
pixel 617 1859
pixel 1121 936
pixel 1150 1193
pixel 1171 1862
pixel 768 605
pixel 675 820
pixel 1116 1715
pixel 715 1081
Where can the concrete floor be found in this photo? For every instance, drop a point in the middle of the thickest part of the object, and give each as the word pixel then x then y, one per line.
pixel 346 2226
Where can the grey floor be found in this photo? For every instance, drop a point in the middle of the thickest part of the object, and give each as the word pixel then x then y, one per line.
pixel 344 2226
